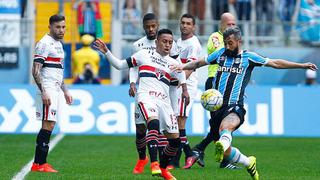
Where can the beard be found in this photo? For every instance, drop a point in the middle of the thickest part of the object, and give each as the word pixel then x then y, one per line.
pixel 232 53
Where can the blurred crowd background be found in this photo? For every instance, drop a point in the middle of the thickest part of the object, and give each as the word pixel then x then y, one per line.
pixel 288 29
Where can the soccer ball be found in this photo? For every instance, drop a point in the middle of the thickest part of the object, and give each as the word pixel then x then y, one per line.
pixel 211 100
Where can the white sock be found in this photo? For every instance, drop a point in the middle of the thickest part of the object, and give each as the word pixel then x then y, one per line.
pixel 237 157
pixel 225 139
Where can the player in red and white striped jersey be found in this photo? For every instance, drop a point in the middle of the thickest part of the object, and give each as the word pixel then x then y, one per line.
pixel 153 92
pixel 47 71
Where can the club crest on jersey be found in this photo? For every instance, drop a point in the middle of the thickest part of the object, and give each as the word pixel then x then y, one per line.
pixel 159 73
pixel 237 60
pixel 222 58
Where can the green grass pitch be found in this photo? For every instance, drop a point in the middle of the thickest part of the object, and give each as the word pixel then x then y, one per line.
pixel 113 157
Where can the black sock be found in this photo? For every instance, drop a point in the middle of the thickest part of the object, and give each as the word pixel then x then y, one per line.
pixel 42 146
pixel 163 142
pixel 141 145
pixel 185 143
pixel 152 139
pixel 205 142
pixel 169 152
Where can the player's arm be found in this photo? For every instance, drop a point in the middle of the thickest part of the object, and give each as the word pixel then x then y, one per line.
pixel 182 81
pixel 66 93
pixel 211 59
pixel 115 62
pixel 284 64
pixel 36 67
pixel 133 78
pixel 188 66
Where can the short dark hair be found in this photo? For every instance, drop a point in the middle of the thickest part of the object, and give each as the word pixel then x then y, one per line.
pixel 189 16
pixel 149 16
pixel 56 18
pixel 234 30
pixel 164 31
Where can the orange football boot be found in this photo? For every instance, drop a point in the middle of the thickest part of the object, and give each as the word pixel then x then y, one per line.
pixel 43 168
pixel 167 175
pixel 138 169
pixel 155 169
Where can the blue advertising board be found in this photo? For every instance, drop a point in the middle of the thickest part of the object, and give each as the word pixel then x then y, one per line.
pixel 271 111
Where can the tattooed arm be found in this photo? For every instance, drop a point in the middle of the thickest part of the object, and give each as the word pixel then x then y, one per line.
pixel 37 78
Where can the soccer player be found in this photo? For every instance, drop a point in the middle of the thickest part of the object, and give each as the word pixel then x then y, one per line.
pixel 189 50
pixel 153 91
pixel 215 42
pixel 150 26
pixel 235 67
pixel 47 72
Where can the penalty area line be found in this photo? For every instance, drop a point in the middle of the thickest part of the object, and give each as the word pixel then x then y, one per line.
pixel 26 169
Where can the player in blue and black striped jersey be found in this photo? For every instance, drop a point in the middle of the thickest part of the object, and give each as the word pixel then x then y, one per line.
pixel 234 72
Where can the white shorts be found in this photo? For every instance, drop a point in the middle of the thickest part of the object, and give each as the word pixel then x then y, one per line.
pixel 181 109
pixel 138 118
pixel 162 110
pixel 50 113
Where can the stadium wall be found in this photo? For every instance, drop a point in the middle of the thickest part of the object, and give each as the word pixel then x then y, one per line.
pixel 108 110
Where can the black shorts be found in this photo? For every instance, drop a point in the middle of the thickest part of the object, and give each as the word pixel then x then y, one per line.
pixel 219 115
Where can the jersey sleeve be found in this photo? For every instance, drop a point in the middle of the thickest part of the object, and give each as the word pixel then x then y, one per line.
pixel 213 57
pixel 133 75
pixel 41 52
pixel 174 52
pixel 135 59
pixel 256 59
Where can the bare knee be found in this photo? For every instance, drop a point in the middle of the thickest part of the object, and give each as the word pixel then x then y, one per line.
pixel 48 125
pixel 141 129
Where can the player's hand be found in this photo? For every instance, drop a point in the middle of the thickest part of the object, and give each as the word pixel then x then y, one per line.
pixel 311 66
pixel 101 46
pixel 176 67
pixel 45 98
pixel 68 98
pixel 132 89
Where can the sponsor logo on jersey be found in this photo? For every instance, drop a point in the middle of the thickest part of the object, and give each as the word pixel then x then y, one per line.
pixel 230 69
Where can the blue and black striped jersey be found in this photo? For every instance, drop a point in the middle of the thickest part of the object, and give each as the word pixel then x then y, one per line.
pixel 234 73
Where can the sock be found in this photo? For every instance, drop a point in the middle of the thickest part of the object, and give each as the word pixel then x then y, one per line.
pixel 185 143
pixel 152 139
pixel 237 157
pixel 205 142
pixel 169 152
pixel 163 142
pixel 225 139
pixel 42 146
pixel 141 145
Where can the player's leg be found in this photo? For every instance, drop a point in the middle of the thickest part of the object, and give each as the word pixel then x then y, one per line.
pixel 168 126
pixel 141 143
pixel 213 135
pixel 235 156
pixel 141 148
pixel 227 126
pixel 184 110
pixel 223 147
pixel 163 142
pixel 198 150
pixel 48 116
pixel 150 113
pixel 184 140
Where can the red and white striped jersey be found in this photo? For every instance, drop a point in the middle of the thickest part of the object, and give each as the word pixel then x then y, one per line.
pixel 50 53
pixel 189 50
pixel 154 73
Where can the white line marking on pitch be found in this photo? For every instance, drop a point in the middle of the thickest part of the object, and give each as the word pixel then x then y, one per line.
pixel 26 169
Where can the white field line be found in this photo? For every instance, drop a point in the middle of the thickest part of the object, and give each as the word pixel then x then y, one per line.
pixel 26 169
